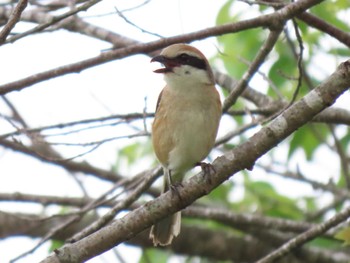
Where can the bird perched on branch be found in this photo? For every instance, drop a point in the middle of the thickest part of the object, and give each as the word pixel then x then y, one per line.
pixel 186 122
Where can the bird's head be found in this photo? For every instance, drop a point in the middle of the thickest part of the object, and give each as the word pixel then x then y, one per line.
pixel 184 64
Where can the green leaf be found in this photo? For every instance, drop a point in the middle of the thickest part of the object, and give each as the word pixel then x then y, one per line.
pixel 154 255
pixel 55 244
pixel 310 204
pixel 133 152
pixel 282 70
pixel 237 46
pixel 325 243
pixel 344 235
pixel 272 203
pixel 307 139
pixel 329 10
pixel 224 13
pixel 220 194
pixel 342 52
pixel 345 141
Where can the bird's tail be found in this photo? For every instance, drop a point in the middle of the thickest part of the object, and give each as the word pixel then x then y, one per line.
pixel 163 232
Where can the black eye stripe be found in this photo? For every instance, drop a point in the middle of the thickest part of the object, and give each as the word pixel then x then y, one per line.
pixel 186 59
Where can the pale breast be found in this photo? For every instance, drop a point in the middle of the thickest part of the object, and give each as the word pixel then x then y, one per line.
pixel 185 130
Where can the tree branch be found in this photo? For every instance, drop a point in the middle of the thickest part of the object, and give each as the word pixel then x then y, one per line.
pixel 69 165
pixel 305 237
pixel 35 226
pixel 13 19
pixel 54 20
pixel 323 26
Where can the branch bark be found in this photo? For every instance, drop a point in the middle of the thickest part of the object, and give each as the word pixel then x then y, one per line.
pixel 13 19
pixel 35 226
pixel 305 237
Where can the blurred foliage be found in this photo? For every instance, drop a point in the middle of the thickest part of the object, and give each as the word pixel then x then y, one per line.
pixel 132 154
pixel 149 254
pixel 269 202
pixel 344 235
pixel 309 137
pixel 236 50
pixel 55 244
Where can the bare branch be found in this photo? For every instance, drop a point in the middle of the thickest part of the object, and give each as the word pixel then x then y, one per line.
pixel 330 187
pixel 14 18
pixel 69 165
pixel 132 197
pixel 260 58
pixel 120 13
pixel 55 20
pixel 305 237
pixel 322 25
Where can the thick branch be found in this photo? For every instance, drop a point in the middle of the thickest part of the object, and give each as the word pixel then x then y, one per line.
pixel 34 226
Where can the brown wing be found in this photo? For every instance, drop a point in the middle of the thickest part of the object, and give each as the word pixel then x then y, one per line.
pixel 159 98
pixel 162 135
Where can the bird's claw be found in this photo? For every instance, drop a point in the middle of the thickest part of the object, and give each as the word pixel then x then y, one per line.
pixel 207 169
pixel 174 189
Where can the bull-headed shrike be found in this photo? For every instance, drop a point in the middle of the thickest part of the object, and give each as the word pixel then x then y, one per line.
pixel 186 122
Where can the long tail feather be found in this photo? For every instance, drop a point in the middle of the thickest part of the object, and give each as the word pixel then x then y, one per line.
pixel 163 232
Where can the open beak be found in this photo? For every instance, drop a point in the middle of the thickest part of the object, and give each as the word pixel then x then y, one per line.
pixel 168 63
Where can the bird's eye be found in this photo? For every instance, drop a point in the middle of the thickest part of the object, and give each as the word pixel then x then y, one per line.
pixel 183 57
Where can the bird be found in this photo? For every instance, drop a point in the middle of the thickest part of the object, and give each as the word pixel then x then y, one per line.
pixel 185 125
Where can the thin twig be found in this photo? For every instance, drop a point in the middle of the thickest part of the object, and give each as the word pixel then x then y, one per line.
pixel 255 65
pixel 316 215
pixel 72 218
pixel 15 114
pixel 131 197
pixel 228 136
pixel 120 13
pixel 265 3
pixel 330 187
pixel 83 167
pixel 266 78
pixel 300 61
pixel 136 7
pixel 56 19
pixel 305 237
pixel 126 117
pixel 342 156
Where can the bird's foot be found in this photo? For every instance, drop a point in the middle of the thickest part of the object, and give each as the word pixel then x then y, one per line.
pixel 174 189
pixel 207 169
